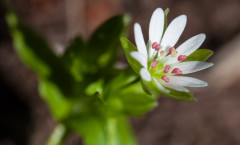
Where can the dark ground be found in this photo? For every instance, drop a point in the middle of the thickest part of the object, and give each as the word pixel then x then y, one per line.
pixel 213 120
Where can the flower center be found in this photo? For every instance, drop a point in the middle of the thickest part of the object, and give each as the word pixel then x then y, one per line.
pixel 158 68
pixel 154 64
pixel 159 71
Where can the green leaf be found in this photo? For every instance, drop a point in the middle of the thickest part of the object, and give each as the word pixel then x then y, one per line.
pixel 135 101
pixel 37 55
pixel 121 79
pixel 72 58
pixel 199 55
pixel 59 105
pixel 104 44
pixel 124 94
pixel 128 47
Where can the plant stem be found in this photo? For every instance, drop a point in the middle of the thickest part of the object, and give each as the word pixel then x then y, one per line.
pixel 57 135
pixel 111 132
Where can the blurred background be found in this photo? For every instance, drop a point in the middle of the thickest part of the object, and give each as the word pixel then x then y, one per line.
pixel 213 120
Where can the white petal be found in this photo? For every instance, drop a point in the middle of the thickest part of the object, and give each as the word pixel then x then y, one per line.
pixel 191 44
pixel 188 47
pixel 160 87
pixel 155 29
pixel 187 81
pixel 173 32
pixel 140 58
pixel 175 87
pixel 145 75
pixel 141 46
pixel 192 66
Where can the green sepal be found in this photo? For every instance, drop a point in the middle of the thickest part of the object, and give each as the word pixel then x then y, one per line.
pixel 165 19
pixel 184 96
pixel 151 87
pixel 128 47
pixel 199 55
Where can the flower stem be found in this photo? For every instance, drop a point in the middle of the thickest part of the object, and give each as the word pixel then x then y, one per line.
pixel 57 135
pixel 111 131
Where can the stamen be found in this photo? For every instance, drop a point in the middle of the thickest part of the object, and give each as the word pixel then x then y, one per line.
pixel 154 64
pixel 162 53
pixel 174 52
pixel 167 66
pixel 154 45
pixel 171 49
pixel 176 71
pixel 166 69
pixel 157 47
pixel 182 57
pixel 165 78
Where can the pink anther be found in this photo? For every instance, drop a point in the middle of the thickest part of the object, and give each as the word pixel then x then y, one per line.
pixel 176 71
pixel 153 65
pixel 157 47
pixel 166 69
pixel 154 45
pixel 165 78
pixel 171 49
pixel 182 57
pixel 155 62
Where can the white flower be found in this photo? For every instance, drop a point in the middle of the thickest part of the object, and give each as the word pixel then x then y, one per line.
pixel 162 62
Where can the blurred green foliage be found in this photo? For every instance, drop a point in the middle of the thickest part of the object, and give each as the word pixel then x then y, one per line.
pixel 83 90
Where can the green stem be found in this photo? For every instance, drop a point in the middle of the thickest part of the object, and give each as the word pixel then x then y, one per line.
pixel 57 135
pixel 111 131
